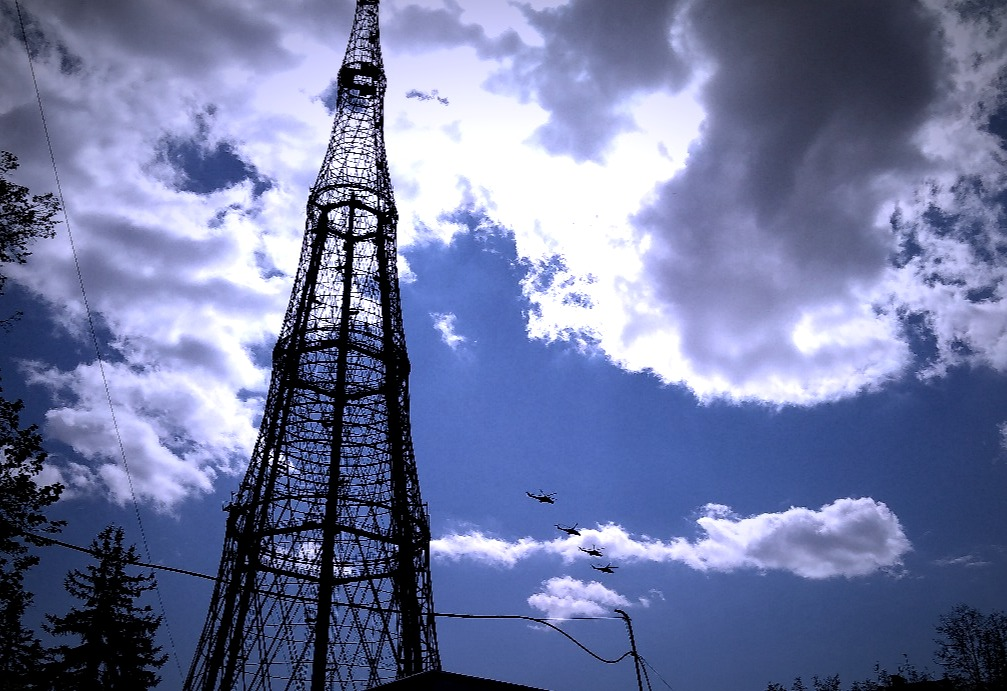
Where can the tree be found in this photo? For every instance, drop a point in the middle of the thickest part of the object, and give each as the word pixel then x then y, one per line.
pixel 22 520
pixel 907 674
pixel 798 685
pixel 116 649
pixel 23 218
pixel 827 684
pixel 908 677
pixel 22 653
pixel 973 648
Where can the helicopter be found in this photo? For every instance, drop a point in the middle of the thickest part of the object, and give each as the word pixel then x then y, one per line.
pixel 607 568
pixel 542 497
pixel 569 530
pixel 593 551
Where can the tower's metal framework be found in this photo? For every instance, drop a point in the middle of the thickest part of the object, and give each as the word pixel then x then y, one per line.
pixel 324 581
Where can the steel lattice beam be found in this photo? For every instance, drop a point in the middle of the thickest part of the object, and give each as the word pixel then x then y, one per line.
pixel 324 580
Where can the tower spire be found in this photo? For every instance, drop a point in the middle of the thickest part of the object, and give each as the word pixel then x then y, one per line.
pixel 324 579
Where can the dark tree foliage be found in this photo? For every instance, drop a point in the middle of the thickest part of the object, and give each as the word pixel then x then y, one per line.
pixel 23 218
pixel 22 500
pixel 826 684
pixel 116 650
pixel 908 679
pixel 22 655
pixel 22 520
pixel 973 648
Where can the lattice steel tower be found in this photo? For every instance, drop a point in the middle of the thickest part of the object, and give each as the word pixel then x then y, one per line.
pixel 324 582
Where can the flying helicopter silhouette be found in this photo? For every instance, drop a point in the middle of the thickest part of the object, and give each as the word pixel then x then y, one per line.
pixel 608 568
pixel 543 497
pixel 593 551
pixel 569 530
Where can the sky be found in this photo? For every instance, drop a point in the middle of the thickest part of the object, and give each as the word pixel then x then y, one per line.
pixel 726 277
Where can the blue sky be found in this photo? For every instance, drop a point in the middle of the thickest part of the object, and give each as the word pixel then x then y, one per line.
pixel 727 278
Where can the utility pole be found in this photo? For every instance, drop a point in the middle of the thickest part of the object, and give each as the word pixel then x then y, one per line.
pixel 632 646
pixel 324 580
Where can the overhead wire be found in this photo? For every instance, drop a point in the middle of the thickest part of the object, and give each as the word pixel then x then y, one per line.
pixel 654 669
pixel 545 621
pixel 44 539
pixel 93 331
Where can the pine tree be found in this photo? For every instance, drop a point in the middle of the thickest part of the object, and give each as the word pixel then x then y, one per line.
pixel 116 649
pixel 21 653
pixel 22 501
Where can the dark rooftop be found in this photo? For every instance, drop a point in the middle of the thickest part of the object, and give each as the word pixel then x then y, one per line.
pixel 449 681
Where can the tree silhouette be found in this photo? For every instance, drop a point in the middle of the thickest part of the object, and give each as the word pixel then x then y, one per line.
pixel 973 648
pixel 116 649
pixel 23 218
pixel 908 677
pixel 22 502
pixel 21 653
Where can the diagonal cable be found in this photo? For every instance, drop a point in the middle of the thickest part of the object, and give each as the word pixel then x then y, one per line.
pixel 93 330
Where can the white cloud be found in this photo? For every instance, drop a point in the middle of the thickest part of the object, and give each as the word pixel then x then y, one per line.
pixel 566 597
pixel 185 287
pixel 849 537
pixel 445 325
pixel 762 270
pixel 185 304
pixel 178 432
pixel 482 548
pixel 737 247
pixel 652 595
pixel 737 238
pixel 953 277
pixel 967 560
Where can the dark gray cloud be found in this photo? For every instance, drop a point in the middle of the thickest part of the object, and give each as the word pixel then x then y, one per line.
pixel 420 29
pixel 25 28
pixel 837 221
pixel 431 96
pixel 595 55
pixel 812 116
pixel 155 31
pixel 838 87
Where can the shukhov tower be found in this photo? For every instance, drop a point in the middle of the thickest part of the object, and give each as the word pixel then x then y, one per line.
pixel 324 581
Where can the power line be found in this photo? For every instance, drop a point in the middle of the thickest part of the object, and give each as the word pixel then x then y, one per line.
pixel 93 553
pixel 545 621
pixel 654 669
pixel 93 330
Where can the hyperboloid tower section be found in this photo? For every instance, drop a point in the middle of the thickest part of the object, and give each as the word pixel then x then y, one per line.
pixel 324 581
